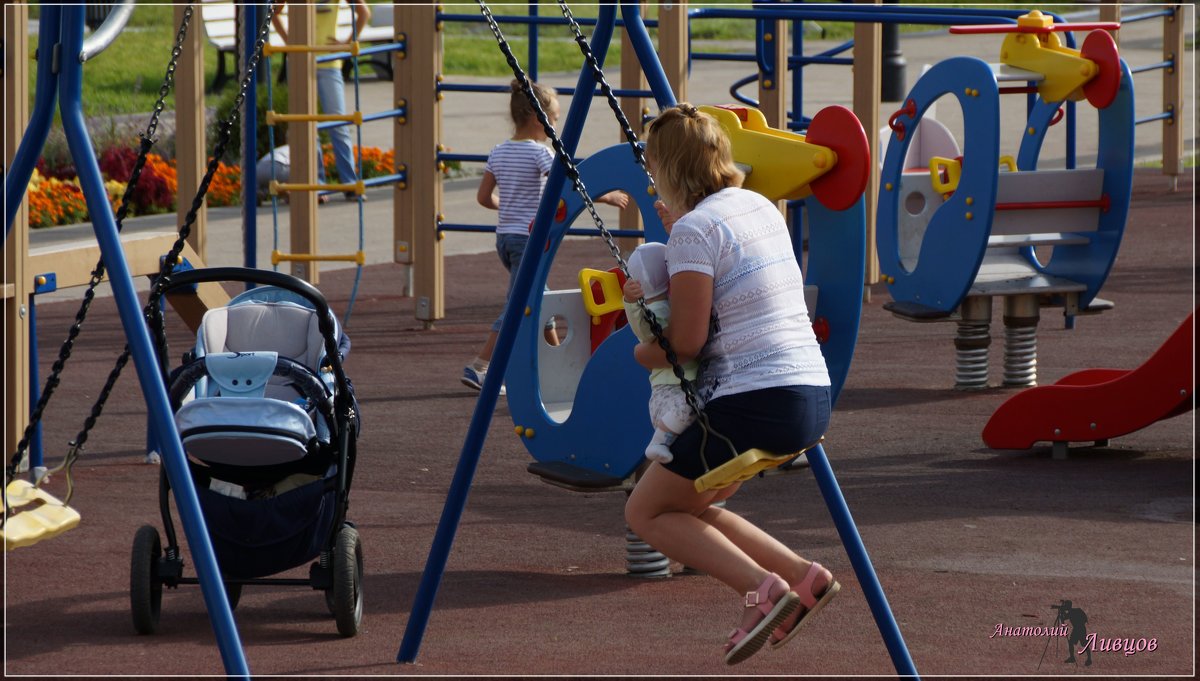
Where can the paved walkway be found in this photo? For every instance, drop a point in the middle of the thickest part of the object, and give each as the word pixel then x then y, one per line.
pixel 473 123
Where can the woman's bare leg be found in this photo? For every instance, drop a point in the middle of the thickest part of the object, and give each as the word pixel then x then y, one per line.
pixel 665 510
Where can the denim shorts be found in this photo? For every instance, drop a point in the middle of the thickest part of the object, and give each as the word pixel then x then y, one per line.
pixel 782 420
pixel 510 248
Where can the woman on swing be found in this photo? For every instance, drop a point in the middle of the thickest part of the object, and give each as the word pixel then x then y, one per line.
pixel 737 306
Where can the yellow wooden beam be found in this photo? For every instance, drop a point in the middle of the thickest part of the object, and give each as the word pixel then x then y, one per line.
pixel 72 266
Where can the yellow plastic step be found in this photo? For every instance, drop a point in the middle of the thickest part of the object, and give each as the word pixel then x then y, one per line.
pixel 357 257
pixel 48 518
pixel 273 118
pixel 352 47
pixel 285 187
pixel 741 468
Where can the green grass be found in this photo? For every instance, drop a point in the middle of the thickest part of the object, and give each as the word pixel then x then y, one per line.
pixel 126 77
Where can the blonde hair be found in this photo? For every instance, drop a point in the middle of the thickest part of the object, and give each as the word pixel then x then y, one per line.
pixel 521 108
pixel 692 157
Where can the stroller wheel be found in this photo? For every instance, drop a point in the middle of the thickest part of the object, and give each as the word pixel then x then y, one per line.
pixel 145 587
pixel 233 592
pixel 347 582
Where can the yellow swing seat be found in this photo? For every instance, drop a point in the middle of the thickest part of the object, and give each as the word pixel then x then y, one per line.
pixel 48 518
pixel 742 467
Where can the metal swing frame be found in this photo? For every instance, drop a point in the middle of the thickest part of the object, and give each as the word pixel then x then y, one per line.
pixel 485 406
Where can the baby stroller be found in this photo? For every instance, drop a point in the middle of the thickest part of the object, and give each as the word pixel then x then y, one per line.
pixel 269 424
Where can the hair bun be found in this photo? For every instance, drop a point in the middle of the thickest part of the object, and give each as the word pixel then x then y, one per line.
pixel 688 110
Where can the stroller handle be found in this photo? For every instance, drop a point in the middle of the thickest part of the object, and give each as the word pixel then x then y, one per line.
pixel 269 278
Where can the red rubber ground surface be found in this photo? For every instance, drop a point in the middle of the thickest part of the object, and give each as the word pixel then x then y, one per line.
pixel 963 538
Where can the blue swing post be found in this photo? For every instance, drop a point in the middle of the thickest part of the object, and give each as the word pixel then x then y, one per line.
pixel 61 33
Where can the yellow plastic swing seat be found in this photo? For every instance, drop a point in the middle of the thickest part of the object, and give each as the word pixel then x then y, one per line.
pixel 742 467
pixel 48 518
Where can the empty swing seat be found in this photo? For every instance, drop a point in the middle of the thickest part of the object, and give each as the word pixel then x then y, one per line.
pixel 47 517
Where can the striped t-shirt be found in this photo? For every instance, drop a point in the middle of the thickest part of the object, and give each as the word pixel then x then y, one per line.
pixel 760 334
pixel 520 168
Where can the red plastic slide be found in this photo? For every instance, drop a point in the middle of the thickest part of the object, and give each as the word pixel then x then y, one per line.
pixel 1098 404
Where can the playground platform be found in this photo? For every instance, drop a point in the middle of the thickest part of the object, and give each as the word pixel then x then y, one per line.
pixel 964 539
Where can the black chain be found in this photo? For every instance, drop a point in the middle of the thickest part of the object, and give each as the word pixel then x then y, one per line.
pixel 168 262
pixel 147 142
pixel 689 390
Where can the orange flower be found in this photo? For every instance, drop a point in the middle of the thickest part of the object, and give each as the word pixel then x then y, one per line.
pixel 226 186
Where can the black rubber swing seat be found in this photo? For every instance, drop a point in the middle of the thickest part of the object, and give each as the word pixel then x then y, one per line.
pixel 577 478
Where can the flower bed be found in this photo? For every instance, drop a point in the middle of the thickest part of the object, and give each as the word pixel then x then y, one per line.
pixel 55 197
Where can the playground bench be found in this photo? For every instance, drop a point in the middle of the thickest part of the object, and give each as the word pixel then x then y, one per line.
pixel 220 27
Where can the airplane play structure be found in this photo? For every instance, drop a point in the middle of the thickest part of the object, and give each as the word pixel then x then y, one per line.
pixel 960 229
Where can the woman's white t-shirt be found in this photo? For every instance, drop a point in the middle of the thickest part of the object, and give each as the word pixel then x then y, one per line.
pixel 520 168
pixel 760 334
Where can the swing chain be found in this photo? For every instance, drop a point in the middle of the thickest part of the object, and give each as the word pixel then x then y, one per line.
pixel 172 65
pixel 598 73
pixel 168 262
pixel 572 172
pixel 147 142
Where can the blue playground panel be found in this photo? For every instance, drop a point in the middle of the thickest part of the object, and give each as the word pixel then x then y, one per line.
pixel 954 245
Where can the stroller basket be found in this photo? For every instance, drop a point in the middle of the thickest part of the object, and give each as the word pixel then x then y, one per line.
pixel 261 537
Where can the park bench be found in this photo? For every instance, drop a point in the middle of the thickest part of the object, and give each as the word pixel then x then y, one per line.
pixel 220 27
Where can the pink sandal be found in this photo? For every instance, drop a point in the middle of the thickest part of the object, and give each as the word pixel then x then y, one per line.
pixel 788 629
pixel 744 643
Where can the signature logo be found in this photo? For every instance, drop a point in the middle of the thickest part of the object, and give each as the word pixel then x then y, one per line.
pixel 1070 623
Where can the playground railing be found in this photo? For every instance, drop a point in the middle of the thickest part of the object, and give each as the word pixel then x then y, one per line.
pixel 1172 79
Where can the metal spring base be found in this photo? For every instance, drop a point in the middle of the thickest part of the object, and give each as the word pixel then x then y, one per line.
pixel 971 355
pixel 1020 355
pixel 642 559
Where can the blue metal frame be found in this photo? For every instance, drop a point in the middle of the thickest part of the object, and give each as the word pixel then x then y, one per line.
pixel 250 14
pixel 35 381
pixel 60 33
pixel 523 397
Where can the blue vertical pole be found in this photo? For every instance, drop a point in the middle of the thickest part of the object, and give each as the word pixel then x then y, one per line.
pixel 532 65
pixel 797 72
pixel 35 439
pixel 141 346
pixel 485 406
pixel 1072 130
pixel 848 531
pixel 45 94
pixel 250 16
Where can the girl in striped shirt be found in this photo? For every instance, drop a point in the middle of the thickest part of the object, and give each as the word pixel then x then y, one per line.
pixel 513 181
